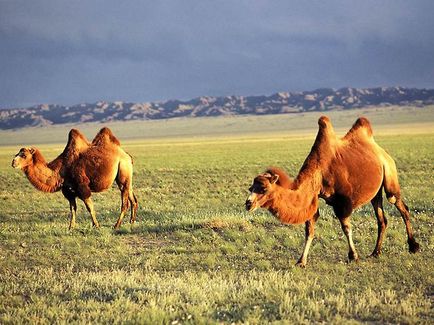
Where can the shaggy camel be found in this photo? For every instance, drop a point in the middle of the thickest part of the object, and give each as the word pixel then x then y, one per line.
pixel 83 168
pixel 346 173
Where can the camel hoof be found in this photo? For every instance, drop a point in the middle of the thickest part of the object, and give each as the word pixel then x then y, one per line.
pixel 116 226
pixel 301 264
pixel 375 254
pixel 353 257
pixel 413 246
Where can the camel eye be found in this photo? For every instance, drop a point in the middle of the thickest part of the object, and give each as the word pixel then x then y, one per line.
pixel 22 155
pixel 258 190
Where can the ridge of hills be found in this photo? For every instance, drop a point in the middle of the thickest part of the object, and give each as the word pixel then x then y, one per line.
pixel 324 99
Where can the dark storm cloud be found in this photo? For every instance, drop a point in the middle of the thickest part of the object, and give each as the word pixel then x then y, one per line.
pixel 73 51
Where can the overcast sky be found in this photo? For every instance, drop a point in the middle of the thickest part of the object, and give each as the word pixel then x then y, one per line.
pixel 68 52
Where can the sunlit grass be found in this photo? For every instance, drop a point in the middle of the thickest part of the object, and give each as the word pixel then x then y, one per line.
pixel 195 255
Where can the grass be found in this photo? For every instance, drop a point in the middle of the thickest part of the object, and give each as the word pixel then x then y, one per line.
pixel 195 256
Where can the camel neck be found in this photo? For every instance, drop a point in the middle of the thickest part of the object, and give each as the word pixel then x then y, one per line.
pixel 295 206
pixel 300 203
pixel 45 177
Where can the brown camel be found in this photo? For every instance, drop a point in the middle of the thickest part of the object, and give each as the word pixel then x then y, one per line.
pixel 83 168
pixel 346 173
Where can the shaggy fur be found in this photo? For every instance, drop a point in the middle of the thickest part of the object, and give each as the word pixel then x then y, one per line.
pixel 346 173
pixel 82 168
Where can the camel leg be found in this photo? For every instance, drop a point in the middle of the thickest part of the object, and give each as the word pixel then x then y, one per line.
pixel 73 209
pixel 124 181
pixel 309 235
pixel 346 227
pixel 124 204
pixel 89 206
pixel 392 189
pixel 377 204
pixel 70 196
pixel 413 246
pixel 343 211
pixel 134 206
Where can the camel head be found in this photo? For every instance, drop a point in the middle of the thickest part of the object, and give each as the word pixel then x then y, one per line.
pixel 260 191
pixel 23 158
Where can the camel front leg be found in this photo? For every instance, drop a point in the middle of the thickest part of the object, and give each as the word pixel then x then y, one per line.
pixel 73 209
pixel 309 235
pixel 69 194
pixel 346 227
pixel 343 210
pixel 89 206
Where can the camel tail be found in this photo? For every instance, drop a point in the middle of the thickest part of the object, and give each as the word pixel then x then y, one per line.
pixel 390 179
pixel 131 157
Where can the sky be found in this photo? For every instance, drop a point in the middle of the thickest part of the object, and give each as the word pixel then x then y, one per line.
pixel 69 52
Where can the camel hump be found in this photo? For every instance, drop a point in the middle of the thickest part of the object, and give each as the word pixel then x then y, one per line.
pixel 74 133
pixel 324 121
pixel 362 124
pixel 76 144
pixel 105 136
pixel 284 180
pixel 326 130
pixel 77 138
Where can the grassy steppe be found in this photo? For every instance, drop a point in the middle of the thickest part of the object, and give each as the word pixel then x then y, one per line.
pixel 195 256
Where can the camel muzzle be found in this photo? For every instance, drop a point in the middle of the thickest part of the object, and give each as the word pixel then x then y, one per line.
pixel 248 205
pixel 14 163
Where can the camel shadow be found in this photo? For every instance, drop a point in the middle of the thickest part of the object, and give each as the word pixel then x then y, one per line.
pixel 167 222
pixel 160 223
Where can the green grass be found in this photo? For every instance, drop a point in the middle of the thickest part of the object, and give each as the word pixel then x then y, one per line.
pixel 195 255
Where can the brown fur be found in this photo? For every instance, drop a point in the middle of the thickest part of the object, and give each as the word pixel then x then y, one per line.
pixel 346 173
pixel 83 168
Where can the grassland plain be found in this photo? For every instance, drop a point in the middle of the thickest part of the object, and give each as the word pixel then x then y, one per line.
pixel 195 256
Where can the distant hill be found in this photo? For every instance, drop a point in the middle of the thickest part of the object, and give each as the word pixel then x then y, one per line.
pixel 284 102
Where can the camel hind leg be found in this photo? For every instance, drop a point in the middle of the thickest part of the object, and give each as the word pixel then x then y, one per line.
pixel 134 206
pixel 124 203
pixel 393 194
pixel 413 246
pixel 377 204
pixel 124 180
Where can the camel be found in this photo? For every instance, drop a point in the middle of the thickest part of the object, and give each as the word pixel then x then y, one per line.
pixel 82 168
pixel 346 172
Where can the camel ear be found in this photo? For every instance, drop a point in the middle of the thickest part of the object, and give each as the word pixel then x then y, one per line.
pixel 32 150
pixel 274 179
